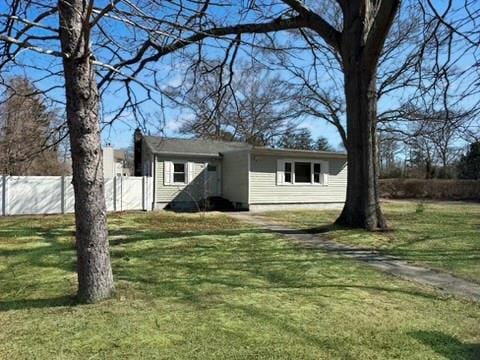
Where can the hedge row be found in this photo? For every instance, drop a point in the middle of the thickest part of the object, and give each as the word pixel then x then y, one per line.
pixel 434 189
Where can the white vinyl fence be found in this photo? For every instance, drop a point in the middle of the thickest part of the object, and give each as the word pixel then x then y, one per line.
pixel 22 195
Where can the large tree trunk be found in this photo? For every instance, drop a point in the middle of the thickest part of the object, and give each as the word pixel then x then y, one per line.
pixel 365 30
pixel 95 280
pixel 366 25
pixel 362 207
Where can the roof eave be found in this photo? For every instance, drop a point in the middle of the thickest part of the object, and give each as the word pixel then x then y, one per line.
pixel 299 153
pixel 186 154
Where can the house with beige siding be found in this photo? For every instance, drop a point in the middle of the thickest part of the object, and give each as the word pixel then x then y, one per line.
pixel 187 172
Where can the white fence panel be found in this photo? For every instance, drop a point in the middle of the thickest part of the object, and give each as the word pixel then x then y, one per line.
pixel 21 195
pixel 131 193
pixel 109 194
pixel 69 195
pixel 34 195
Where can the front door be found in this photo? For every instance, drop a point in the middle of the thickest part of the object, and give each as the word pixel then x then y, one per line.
pixel 213 180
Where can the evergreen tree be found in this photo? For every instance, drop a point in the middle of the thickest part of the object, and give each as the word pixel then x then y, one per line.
pixel 299 140
pixel 27 139
pixel 469 165
pixel 322 144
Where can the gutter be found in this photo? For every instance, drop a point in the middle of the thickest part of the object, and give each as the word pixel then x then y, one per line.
pixel 299 153
pixel 199 155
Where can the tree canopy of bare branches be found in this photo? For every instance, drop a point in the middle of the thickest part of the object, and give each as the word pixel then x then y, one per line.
pixel 254 107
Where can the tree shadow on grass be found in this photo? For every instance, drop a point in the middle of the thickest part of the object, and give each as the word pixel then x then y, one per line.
pixel 285 229
pixel 181 263
pixel 447 346
pixel 402 251
pixel 183 273
pixel 21 304
pixel 58 251
pixel 132 235
pixel 437 255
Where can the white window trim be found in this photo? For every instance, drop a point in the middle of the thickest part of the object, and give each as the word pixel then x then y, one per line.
pixel 185 171
pixel 169 172
pixel 292 172
pixel 324 170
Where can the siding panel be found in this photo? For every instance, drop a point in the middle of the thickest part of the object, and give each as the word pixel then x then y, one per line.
pixel 235 176
pixel 264 188
pixel 193 191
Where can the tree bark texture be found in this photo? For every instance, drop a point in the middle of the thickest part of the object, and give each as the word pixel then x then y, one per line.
pixel 95 280
pixel 362 206
pixel 363 36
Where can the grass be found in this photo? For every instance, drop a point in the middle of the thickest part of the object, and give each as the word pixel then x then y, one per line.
pixel 192 287
pixel 440 235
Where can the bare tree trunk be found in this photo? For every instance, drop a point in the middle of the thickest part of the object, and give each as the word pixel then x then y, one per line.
pixel 362 207
pixel 361 43
pixel 366 25
pixel 95 280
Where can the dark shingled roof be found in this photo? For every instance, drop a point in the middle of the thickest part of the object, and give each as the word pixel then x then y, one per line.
pixel 205 147
pixel 159 145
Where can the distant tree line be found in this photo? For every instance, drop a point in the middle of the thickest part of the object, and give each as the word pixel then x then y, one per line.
pixel 30 132
pixel 302 139
pixel 431 146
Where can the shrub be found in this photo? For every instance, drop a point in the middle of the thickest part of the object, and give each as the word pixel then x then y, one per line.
pixel 435 189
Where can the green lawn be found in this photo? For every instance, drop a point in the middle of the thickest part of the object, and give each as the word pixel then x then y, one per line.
pixel 211 288
pixel 445 235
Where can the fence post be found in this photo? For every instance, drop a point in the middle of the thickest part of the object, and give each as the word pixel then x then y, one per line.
pixel 62 194
pixel 115 193
pixel 143 192
pixel 121 192
pixel 4 195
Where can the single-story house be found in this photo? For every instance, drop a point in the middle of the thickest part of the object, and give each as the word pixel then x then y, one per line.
pixel 186 171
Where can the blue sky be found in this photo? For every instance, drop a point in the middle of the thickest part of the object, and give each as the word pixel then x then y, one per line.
pixel 120 133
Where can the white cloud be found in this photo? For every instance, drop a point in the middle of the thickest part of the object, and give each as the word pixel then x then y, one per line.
pixel 173 125
pixel 174 81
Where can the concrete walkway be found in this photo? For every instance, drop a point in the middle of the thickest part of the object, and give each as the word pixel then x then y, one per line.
pixel 442 281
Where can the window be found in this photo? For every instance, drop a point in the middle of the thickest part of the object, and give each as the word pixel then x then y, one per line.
pixel 212 168
pixel 287 173
pixel 303 172
pixel 316 173
pixel 179 173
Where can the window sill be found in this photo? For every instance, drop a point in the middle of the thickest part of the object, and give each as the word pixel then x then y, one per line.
pixel 301 184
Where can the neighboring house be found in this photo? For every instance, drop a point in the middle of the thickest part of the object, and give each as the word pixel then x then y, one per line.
pixel 113 163
pixel 186 171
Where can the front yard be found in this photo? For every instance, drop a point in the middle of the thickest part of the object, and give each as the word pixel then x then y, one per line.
pixel 441 235
pixel 208 287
